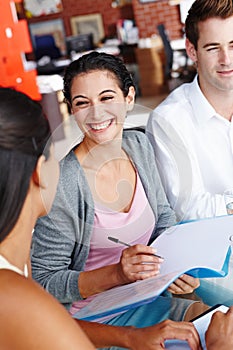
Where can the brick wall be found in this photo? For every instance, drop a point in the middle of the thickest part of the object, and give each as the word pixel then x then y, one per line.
pixel 148 15
pixel 110 15
pixel 84 7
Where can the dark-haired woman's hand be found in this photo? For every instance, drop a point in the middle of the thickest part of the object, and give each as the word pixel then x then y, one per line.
pixel 219 334
pixel 153 338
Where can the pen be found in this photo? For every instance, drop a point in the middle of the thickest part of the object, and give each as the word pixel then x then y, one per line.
pixel 116 240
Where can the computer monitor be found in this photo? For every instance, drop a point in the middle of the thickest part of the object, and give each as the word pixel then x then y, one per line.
pixel 79 43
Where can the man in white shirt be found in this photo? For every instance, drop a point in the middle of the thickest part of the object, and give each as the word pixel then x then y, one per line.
pixel 191 131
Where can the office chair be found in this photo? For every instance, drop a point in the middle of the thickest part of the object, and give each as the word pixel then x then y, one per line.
pixel 183 74
pixel 168 50
pixel 45 46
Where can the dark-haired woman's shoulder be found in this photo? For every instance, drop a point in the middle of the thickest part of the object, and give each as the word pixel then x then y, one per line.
pixel 30 318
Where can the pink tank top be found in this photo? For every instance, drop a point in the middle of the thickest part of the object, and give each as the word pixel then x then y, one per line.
pixel 135 226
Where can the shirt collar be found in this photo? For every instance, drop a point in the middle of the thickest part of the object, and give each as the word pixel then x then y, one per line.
pixel 204 113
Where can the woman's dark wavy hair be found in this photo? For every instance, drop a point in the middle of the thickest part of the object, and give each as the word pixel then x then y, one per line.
pixel 202 10
pixel 24 137
pixel 97 61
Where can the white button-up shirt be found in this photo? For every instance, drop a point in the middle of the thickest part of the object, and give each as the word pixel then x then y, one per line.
pixel 194 150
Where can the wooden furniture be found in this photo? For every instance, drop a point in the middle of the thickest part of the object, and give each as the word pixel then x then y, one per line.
pixel 151 70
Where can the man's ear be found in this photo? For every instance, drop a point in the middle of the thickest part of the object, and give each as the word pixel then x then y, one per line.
pixel 130 98
pixel 191 51
pixel 38 177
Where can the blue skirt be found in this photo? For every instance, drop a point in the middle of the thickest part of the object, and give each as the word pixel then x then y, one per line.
pixel 163 308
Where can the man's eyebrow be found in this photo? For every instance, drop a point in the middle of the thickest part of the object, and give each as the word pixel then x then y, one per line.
pixel 210 44
pixel 108 90
pixel 215 44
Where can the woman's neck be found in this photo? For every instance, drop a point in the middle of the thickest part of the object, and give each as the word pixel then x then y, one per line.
pixel 16 246
pixel 95 156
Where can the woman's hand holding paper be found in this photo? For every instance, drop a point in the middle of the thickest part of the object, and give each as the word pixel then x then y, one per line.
pixel 185 284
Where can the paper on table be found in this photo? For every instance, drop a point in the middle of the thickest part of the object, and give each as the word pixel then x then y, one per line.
pixel 127 296
pixel 201 325
pixel 197 244
pixel 201 246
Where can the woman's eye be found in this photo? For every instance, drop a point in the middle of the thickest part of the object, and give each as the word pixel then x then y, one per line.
pixel 106 98
pixel 81 104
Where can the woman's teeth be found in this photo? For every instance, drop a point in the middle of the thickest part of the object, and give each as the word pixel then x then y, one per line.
pixel 101 126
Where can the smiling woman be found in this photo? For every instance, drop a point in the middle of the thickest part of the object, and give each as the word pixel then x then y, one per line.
pixel 109 186
pixel 99 101
pixel 100 114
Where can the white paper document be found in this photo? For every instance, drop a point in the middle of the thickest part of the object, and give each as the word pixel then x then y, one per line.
pixel 125 297
pixel 197 246
pixel 201 248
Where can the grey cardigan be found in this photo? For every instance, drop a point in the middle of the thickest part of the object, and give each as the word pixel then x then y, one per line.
pixel 61 239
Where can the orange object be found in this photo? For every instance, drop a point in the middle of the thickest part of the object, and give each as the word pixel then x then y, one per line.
pixel 15 42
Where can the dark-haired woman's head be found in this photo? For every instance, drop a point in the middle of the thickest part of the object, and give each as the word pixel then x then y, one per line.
pixel 99 91
pixel 97 61
pixel 24 137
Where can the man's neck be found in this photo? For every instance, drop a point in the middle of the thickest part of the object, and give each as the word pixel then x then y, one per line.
pixel 223 106
pixel 220 100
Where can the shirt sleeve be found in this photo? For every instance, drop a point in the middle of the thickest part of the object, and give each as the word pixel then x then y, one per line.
pixel 166 216
pixel 60 248
pixel 51 261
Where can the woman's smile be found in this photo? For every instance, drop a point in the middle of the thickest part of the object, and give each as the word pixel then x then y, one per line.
pixel 98 127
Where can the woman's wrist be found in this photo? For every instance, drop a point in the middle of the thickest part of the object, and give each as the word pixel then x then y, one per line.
pixel 120 277
pixel 97 281
pixel 103 335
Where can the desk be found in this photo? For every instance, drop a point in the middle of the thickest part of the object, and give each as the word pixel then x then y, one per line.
pixel 128 53
pixel 53 67
pixel 178 44
pixel 138 117
pixel 217 290
pixel 180 58
pixel 151 70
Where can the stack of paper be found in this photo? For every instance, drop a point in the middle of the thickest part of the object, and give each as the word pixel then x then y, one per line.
pixel 200 248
